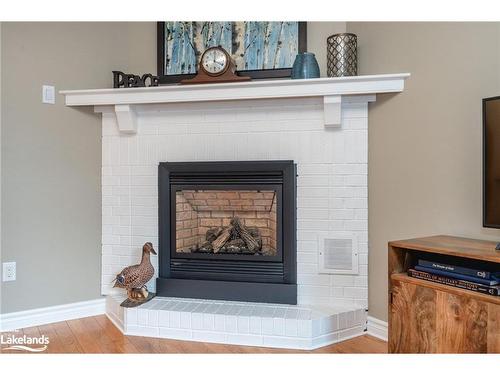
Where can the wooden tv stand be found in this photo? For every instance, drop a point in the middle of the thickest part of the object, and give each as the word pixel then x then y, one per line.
pixel 428 317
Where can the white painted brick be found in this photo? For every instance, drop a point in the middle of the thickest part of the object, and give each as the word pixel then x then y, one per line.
pixel 336 225
pixel 197 320
pixel 307 268
pixel 144 220
pixel 361 281
pixel 312 180
pixel 243 323
pixel 329 324
pixel 307 257
pixel 313 225
pixel 356 146
pixel 231 324
pixel 338 291
pixel 312 203
pixel 143 181
pixel 307 246
pixel 142 317
pixel 342 214
pixel 337 180
pixel 307 279
pixel 267 326
pixel 313 192
pixel 152 318
pixel 350 169
pixel 255 325
pixel 363 270
pixel 356 225
pixel 343 280
pixel 144 211
pixel 219 324
pixel 304 328
pixel 361 214
pixel 208 322
pixel 356 292
pixel 310 290
pixel 291 327
pixel 313 169
pixel 305 213
pixel 279 326
pixel 185 320
pixel 336 203
pixel 332 169
pixel 356 180
pixel 355 123
pixel 174 319
pixel 356 203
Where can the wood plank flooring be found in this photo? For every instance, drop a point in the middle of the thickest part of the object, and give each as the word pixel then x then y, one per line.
pixel 98 335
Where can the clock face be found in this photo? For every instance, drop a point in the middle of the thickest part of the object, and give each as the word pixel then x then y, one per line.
pixel 214 61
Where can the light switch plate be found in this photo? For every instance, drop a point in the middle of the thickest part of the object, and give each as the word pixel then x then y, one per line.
pixel 48 94
pixel 9 271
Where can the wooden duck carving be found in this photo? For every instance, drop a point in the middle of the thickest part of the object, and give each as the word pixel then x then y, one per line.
pixel 134 279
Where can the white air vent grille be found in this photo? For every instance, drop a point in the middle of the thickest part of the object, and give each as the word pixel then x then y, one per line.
pixel 338 254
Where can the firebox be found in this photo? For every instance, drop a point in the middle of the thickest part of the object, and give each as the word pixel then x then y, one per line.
pixel 227 230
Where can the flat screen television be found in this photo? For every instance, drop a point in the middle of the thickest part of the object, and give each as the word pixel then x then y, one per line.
pixel 491 162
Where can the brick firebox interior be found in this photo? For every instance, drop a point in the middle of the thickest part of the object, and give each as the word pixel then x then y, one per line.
pixel 198 211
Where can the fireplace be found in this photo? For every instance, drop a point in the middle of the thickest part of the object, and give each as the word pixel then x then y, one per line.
pixel 227 230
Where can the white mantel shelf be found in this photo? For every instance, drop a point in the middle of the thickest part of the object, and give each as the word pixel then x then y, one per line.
pixel 332 90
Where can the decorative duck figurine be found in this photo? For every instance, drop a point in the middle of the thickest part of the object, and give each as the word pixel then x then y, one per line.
pixel 134 279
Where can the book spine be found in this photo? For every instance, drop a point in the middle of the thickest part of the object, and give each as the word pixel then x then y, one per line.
pixel 492 291
pixel 455 269
pixel 468 278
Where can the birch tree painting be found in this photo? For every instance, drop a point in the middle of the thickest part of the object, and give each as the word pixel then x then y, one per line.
pixel 253 45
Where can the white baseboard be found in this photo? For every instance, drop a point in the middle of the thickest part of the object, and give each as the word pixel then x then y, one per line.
pixel 46 315
pixel 377 328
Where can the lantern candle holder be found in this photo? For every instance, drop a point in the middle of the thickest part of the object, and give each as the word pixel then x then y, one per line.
pixel 342 55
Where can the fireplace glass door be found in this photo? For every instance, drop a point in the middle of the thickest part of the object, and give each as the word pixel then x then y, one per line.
pixel 226 222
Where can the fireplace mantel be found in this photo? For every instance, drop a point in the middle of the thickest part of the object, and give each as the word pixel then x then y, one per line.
pixel 124 102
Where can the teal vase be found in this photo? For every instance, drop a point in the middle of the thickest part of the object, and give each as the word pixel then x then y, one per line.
pixel 305 66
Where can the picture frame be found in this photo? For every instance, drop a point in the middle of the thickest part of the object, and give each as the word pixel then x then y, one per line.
pixel 274 73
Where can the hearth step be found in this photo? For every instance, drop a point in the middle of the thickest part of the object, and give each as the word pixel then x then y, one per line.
pixel 238 323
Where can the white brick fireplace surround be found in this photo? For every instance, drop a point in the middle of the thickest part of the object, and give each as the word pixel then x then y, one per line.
pixel 321 124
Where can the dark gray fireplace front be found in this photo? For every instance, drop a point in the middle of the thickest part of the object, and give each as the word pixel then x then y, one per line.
pixel 227 230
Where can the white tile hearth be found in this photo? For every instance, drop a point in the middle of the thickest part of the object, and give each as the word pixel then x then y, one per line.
pixel 238 323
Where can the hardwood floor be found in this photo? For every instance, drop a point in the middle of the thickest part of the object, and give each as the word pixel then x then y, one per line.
pixel 98 335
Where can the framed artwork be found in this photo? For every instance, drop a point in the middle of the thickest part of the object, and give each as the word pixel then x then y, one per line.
pixel 259 49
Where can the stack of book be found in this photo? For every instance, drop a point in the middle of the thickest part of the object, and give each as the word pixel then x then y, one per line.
pixel 477 280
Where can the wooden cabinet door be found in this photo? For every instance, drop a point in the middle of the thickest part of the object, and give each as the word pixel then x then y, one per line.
pixel 462 324
pixel 413 319
pixel 425 320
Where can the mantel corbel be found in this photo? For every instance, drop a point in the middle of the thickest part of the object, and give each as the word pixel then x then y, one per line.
pixel 126 118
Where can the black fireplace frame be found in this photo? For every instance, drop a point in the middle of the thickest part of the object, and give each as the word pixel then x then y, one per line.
pixel 255 278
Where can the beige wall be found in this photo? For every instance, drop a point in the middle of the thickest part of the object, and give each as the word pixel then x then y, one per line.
pixel 51 156
pixel 317 32
pixel 425 143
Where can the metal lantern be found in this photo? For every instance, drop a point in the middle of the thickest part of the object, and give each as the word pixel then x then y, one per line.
pixel 342 55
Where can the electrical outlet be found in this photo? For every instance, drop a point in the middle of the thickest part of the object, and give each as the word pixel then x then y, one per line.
pixel 48 94
pixel 9 271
